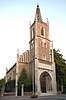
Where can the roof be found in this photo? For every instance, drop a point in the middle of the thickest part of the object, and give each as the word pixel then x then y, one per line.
pixel 11 68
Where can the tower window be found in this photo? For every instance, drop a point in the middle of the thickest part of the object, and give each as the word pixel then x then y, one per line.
pixel 45 45
pixel 44 57
pixel 42 31
pixel 42 44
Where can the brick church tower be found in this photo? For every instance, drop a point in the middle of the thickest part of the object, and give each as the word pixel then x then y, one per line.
pixel 42 57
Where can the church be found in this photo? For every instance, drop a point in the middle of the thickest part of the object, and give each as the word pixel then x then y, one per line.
pixel 38 60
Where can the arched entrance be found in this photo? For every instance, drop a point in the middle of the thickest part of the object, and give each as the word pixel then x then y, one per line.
pixel 45 82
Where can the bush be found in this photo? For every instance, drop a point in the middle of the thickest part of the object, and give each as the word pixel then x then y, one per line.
pixel 10 86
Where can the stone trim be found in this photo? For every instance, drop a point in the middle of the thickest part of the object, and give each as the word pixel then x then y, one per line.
pixel 45 69
pixel 45 62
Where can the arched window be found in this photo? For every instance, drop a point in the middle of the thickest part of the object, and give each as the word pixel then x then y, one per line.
pixel 45 45
pixel 44 57
pixel 42 31
pixel 42 45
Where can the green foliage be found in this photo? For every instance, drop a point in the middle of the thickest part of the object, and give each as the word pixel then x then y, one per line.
pixel 10 86
pixel 23 79
pixel 2 83
pixel 26 80
pixel 60 70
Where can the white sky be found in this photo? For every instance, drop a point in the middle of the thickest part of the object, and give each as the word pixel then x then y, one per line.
pixel 14 27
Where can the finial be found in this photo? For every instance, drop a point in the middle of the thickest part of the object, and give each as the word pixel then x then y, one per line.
pixel 17 51
pixel 47 21
pixel 29 23
pixel 17 59
pixel 37 5
pixel 52 44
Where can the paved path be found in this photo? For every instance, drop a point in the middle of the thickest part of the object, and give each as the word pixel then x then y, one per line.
pixel 61 97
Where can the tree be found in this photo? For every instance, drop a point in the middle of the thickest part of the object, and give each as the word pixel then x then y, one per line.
pixel 23 79
pixel 60 70
pixel 10 86
pixel 26 80
pixel 2 83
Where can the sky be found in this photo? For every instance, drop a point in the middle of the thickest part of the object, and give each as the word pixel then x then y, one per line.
pixel 15 16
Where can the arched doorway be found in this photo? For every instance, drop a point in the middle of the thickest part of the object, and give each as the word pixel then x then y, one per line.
pixel 45 82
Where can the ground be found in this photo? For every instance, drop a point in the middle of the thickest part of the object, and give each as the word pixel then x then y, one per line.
pixel 58 97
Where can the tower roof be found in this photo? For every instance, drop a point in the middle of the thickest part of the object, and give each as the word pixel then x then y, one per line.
pixel 38 14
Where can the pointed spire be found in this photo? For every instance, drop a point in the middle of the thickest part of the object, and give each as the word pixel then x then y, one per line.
pixel 38 14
